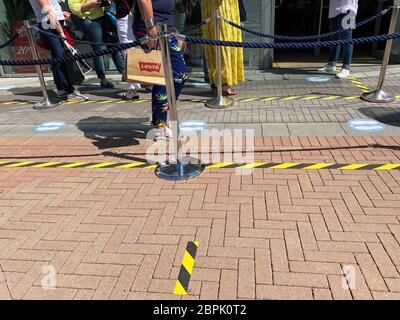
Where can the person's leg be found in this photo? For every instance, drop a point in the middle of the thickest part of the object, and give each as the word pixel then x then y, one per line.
pixel 94 32
pixel 119 61
pixel 335 25
pixel 159 97
pixel 125 35
pixel 347 49
pixel 59 73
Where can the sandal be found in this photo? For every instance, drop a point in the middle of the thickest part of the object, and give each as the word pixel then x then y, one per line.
pixel 228 91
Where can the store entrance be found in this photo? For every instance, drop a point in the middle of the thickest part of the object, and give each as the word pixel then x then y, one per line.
pixel 306 17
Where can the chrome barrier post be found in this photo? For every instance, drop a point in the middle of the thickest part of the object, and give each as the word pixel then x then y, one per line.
pixel 378 95
pixel 219 102
pixel 46 102
pixel 180 168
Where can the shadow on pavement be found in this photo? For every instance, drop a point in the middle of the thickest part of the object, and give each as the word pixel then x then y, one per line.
pixel 384 115
pixel 114 132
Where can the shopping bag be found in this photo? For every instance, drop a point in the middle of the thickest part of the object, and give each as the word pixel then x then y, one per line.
pixel 145 66
pixel 77 70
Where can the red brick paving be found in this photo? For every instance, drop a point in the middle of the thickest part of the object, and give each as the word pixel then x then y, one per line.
pixel 121 233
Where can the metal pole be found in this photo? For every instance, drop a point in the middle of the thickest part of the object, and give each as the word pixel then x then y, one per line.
pixel 380 96
pixel 180 168
pixel 169 83
pixel 46 102
pixel 219 102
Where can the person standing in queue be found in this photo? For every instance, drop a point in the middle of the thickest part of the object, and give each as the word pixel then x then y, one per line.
pixel 342 16
pixel 50 18
pixel 92 21
pixel 147 14
pixel 124 13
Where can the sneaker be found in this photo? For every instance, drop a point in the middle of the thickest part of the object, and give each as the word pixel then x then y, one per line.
pixel 343 74
pixel 77 95
pixel 130 95
pixel 328 69
pixel 108 84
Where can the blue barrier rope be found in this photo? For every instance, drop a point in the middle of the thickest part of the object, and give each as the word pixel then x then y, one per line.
pixel 124 46
pixel 300 45
pixel 307 38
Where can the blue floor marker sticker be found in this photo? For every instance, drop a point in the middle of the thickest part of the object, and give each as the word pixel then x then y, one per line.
pixel 366 125
pixel 318 79
pixel 193 125
pixel 7 87
pixel 50 126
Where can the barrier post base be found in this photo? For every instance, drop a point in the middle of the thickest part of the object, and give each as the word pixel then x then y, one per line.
pixel 46 103
pixel 179 171
pixel 220 103
pixel 378 96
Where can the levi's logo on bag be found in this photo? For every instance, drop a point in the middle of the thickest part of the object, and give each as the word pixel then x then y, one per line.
pixel 150 66
pixel 145 67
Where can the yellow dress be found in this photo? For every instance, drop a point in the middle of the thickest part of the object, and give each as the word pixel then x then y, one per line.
pixel 232 58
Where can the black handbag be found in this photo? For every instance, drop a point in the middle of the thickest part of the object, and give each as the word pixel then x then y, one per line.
pixel 76 70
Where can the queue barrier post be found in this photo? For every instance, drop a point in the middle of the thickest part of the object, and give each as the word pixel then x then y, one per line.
pixel 219 102
pixel 379 95
pixel 179 168
pixel 46 102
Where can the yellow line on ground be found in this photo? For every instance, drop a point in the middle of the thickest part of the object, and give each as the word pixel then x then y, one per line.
pixel 106 101
pixel 73 165
pixel 188 262
pixel 43 165
pixel 352 98
pixel 284 166
pixel 248 99
pixel 269 99
pixel 252 165
pixel 130 165
pixel 19 164
pixel 318 166
pixel 312 98
pixel 291 98
pixel 100 165
pixel 388 167
pixel 219 165
pixel 331 98
pixel 353 166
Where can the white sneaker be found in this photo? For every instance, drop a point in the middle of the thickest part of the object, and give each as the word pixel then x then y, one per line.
pixel 77 95
pixel 130 95
pixel 343 74
pixel 328 69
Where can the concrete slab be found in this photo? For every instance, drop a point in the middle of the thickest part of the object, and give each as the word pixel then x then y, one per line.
pixel 275 129
pixel 316 129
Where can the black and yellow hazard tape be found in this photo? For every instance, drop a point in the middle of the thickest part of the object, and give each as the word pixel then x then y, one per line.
pixel 307 97
pixel 185 273
pixel 358 83
pixel 304 98
pixel 221 165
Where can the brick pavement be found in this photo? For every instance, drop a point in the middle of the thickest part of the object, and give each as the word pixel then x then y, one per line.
pixel 121 234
